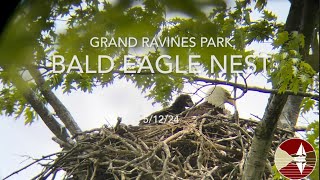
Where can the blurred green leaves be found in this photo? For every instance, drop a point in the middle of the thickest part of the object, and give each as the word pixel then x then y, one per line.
pixel 20 37
pixel 144 19
pixel 33 37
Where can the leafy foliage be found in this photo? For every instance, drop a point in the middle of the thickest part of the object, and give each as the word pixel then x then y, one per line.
pixel 306 105
pixel 276 174
pixel 13 104
pixel 66 27
pixel 291 72
pixel 37 37
pixel 313 139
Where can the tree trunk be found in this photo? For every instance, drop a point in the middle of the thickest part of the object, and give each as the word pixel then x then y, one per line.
pixel 261 142
pixel 290 112
pixel 303 17
pixel 61 111
pixel 254 166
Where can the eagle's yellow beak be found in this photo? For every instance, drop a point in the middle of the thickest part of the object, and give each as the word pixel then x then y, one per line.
pixel 228 98
pixel 231 101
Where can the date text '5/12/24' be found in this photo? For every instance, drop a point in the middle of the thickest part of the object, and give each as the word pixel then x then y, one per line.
pixel 161 119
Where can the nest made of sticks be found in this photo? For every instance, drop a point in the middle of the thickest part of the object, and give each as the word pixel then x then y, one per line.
pixel 205 147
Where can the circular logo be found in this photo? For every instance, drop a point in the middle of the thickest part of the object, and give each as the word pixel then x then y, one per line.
pixel 295 158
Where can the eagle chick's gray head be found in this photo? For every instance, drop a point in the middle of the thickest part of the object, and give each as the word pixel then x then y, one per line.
pixel 217 96
pixel 185 100
pixel 182 101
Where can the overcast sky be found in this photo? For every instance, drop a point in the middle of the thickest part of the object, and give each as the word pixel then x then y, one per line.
pixel 103 106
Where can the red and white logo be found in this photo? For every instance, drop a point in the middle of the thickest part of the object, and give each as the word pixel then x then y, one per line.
pixel 295 158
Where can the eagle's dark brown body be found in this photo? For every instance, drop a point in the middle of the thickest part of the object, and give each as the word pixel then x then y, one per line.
pixel 204 108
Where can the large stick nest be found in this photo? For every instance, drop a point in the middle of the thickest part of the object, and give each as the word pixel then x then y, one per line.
pixel 206 147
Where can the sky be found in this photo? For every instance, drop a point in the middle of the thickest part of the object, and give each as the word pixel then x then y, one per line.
pixel 102 107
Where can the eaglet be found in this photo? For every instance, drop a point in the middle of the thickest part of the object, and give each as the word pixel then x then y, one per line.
pixel 176 108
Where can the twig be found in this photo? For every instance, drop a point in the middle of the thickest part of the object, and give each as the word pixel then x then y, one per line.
pixel 257 89
pixel 25 167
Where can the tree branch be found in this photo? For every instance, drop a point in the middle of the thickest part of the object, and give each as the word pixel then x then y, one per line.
pixel 61 111
pixel 57 129
pixel 240 86
pixel 257 89
pixel 32 163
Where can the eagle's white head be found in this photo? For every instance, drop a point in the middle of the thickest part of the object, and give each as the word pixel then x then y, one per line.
pixel 217 96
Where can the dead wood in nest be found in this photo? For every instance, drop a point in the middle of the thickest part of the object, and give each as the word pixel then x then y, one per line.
pixel 206 147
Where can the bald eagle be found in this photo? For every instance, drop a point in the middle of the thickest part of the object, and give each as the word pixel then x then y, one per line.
pixel 215 99
pixel 176 108
pixel 218 96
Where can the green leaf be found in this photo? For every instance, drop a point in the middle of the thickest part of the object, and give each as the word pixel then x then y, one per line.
pixel 281 39
pixel 276 174
pixel 313 139
pixel 29 115
pixel 306 105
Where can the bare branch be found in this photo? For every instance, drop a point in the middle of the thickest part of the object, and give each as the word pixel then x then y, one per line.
pixel 257 89
pixel 34 162
pixel 61 111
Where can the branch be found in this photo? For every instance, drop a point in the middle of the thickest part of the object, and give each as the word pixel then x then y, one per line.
pixel 55 127
pixel 25 167
pixel 61 111
pixel 257 89
pixel 244 88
